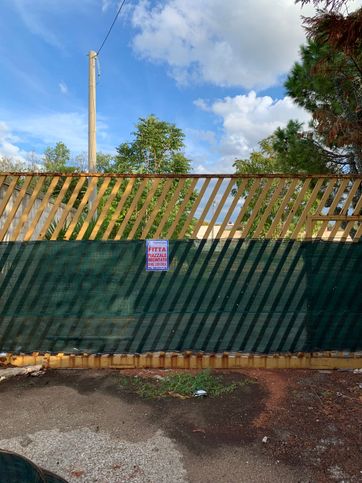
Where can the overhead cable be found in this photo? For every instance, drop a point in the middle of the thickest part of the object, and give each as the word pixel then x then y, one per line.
pixel 111 27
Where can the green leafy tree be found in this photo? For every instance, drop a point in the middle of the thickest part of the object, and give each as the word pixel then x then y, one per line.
pixel 56 158
pixel 157 147
pixel 288 150
pixel 105 163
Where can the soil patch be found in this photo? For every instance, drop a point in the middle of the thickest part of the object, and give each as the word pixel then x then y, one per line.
pixel 204 423
pixel 317 422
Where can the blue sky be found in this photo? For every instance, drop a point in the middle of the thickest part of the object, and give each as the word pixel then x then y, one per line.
pixel 213 67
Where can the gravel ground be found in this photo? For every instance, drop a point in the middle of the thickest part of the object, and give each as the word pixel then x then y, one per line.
pixel 87 456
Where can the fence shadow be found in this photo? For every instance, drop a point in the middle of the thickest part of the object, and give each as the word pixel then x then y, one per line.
pixel 260 296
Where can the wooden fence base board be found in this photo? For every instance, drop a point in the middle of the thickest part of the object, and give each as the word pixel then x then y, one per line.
pixel 188 360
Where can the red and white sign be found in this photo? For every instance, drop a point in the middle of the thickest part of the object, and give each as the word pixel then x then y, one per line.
pixel 157 255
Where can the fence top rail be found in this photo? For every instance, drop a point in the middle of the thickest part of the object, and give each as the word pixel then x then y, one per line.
pixel 191 175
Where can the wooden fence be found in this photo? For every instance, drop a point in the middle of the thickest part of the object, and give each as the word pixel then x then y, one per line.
pixel 42 206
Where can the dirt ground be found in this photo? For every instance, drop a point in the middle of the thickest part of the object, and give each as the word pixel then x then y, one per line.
pixel 281 426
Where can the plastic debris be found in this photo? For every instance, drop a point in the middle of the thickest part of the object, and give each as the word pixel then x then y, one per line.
pixel 357 371
pixel 200 393
pixel 159 378
pixel 265 439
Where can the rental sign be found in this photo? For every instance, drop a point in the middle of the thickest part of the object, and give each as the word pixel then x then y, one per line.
pixel 157 255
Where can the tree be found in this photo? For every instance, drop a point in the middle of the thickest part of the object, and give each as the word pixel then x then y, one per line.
pixel 334 25
pixel 329 85
pixel 157 147
pixel 105 163
pixel 287 150
pixel 9 164
pixel 328 80
pixel 291 151
pixel 56 158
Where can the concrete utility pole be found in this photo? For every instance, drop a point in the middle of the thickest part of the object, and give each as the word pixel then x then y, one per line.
pixel 92 141
pixel 92 145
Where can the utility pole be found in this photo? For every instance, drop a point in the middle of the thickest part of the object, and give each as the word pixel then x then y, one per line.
pixel 92 143
pixel 92 146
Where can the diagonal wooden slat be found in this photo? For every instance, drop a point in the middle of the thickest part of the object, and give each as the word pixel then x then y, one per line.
pixel 303 217
pixel 160 201
pixel 199 197
pixel 243 210
pixel 103 214
pixel 114 218
pixel 256 208
pixel 358 234
pixel 41 208
pixel 8 194
pixel 326 195
pixel 15 207
pixel 232 206
pixel 141 213
pixel 94 207
pixel 77 216
pixel 67 208
pixel 182 208
pixel 207 208
pixel 349 226
pixel 309 222
pixel 269 208
pixel 294 208
pixel 334 204
pixel 287 202
pixel 220 206
pixel 280 211
pixel 28 208
pixel 344 211
pixel 131 209
pixel 54 209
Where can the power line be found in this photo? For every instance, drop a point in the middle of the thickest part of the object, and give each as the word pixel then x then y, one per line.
pixel 111 27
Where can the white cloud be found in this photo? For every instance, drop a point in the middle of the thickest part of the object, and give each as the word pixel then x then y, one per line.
pixel 63 87
pixel 8 148
pixel 245 43
pixel 201 104
pixel 246 119
pixel 106 4
pixel 47 129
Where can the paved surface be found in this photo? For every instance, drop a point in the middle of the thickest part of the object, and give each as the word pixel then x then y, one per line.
pixel 79 425
pixel 84 426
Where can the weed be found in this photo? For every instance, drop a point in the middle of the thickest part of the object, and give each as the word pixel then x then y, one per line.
pixel 182 384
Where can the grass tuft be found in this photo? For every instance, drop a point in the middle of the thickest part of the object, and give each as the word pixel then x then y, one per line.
pixel 181 384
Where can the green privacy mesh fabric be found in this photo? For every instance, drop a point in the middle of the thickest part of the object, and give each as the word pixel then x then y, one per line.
pixel 259 296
